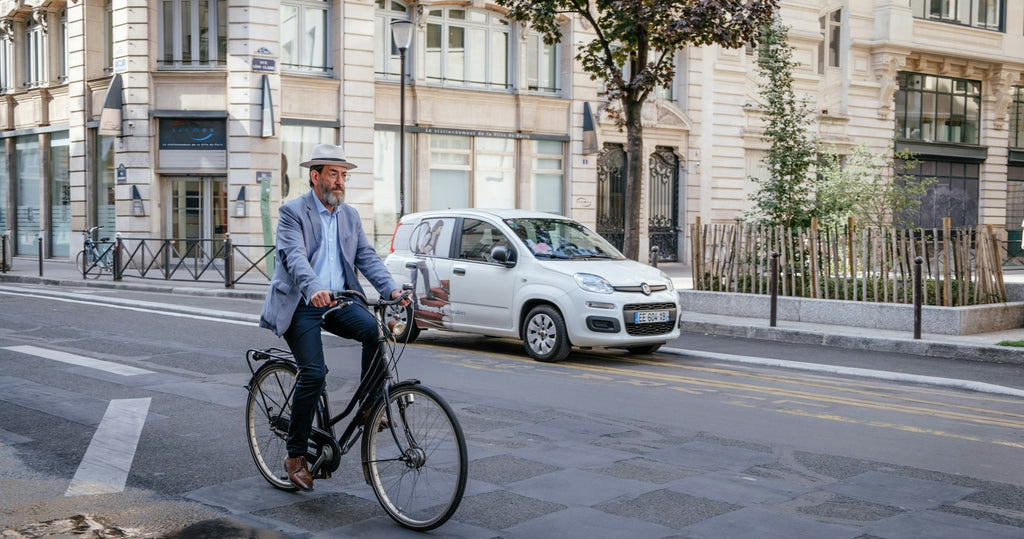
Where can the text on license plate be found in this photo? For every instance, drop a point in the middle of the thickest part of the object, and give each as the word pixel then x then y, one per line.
pixel 649 317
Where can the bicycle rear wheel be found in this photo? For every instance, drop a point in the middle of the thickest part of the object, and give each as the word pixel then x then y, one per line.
pixel 420 479
pixel 85 265
pixel 268 413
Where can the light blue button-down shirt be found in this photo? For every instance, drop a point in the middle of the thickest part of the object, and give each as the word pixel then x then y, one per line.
pixel 328 267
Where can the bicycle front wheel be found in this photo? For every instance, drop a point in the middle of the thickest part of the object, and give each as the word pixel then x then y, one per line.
pixel 420 478
pixel 268 413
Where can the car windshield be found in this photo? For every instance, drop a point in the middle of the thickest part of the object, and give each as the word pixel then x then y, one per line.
pixel 561 239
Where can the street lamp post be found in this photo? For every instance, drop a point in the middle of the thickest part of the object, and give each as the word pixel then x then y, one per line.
pixel 401 32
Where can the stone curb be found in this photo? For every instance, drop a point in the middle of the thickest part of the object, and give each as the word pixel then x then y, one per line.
pixel 980 353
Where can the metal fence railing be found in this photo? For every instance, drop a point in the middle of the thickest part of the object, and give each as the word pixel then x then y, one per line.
pixel 191 259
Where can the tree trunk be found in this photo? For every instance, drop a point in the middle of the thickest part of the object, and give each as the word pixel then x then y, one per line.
pixel 634 179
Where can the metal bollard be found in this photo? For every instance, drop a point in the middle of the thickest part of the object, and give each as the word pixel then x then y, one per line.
pixel 654 255
pixel 229 267
pixel 117 256
pixel 773 289
pixel 3 252
pixel 917 297
pixel 40 253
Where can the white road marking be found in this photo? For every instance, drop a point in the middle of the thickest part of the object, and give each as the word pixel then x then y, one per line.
pixel 104 468
pixel 981 387
pixel 141 306
pixel 81 361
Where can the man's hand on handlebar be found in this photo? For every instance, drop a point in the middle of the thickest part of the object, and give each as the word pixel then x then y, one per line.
pixel 322 299
pixel 399 293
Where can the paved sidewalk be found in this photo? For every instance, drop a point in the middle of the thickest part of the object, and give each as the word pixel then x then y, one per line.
pixel 979 347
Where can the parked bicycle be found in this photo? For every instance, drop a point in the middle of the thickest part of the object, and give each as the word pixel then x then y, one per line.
pixel 96 257
pixel 413 449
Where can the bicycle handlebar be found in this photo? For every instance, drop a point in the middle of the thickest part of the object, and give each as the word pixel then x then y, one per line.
pixel 342 295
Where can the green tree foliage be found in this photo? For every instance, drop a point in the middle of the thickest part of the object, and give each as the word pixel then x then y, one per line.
pixel 645 35
pixel 786 196
pixel 869 186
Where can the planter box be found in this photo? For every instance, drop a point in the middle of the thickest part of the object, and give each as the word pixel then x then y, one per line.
pixel 895 316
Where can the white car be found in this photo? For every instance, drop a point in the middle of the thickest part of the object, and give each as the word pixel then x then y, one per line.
pixel 539 277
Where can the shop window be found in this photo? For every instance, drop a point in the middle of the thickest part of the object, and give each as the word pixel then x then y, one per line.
pixel 386 191
pixel 193 33
pixel 60 195
pixel 297 142
pixel 387 60
pixel 29 185
pixel 103 203
pixel 987 14
pixel 954 193
pixel 938 109
pixel 547 179
pixel 467 48
pixel 305 31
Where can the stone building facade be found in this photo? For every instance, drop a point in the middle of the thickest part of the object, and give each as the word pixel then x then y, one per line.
pixel 219 100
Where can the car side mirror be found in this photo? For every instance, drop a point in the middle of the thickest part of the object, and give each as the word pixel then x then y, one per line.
pixel 504 255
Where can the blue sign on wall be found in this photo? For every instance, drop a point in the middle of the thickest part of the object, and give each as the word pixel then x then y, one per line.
pixel 193 134
pixel 265 65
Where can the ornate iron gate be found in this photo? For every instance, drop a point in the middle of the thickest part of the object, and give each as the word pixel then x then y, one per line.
pixel 611 204
pixel 664 204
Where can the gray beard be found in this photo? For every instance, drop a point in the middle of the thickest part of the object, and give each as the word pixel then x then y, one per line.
pixel 330 198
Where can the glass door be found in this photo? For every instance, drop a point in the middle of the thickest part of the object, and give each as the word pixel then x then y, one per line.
pixel 198 215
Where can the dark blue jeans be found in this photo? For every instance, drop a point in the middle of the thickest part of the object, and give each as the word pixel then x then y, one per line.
pixel 304 340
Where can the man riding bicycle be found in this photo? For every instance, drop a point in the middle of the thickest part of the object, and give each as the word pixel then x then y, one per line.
pixel 320 245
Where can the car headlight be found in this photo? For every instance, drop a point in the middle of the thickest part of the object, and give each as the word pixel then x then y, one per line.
pixel 668 281
pixel 593 283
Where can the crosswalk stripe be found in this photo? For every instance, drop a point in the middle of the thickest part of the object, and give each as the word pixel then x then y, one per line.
pixel 81 361
pixel 104 468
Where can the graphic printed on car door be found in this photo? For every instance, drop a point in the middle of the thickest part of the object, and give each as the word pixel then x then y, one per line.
pixel 430 274
pixel 482 288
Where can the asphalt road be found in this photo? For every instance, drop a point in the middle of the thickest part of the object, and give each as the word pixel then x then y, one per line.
pixel 689 443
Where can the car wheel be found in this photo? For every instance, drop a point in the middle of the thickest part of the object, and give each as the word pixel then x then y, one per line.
pixel 544 334
pixel 645 349
pixel 398 313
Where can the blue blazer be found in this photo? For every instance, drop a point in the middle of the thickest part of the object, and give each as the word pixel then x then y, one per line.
pixel 298 247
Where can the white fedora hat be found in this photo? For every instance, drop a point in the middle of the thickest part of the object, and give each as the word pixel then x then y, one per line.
pixel 328 154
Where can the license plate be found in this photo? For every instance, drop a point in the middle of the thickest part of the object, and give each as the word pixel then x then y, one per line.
pixel 650 317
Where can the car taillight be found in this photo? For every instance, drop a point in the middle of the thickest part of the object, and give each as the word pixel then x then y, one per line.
pixel 393 234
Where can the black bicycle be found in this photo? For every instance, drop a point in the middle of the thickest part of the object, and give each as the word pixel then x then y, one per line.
pixel 413 449
pixel 95 257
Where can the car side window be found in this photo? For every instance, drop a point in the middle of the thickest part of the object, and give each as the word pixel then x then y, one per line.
pixel 478 239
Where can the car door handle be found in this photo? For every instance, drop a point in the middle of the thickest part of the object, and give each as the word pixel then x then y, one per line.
pixel 410 265
pixel 459 271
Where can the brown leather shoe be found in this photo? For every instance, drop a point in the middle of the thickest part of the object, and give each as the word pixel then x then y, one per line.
pixel 298 473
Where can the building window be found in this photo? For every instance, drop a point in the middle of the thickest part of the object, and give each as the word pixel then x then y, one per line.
pixel 547 178
pixel 35 53
pixel 305 27
pixel 62 43
pixel 831 40
pixel 1017 117
pixel 938 109
pixel 193 33
pixel 60 195
pixel 6 64
pixel 387 60
pixel 467 48
pixel 542 64
pixel 108 36
pixel 386 191
pixel 987 14
pixel 450 169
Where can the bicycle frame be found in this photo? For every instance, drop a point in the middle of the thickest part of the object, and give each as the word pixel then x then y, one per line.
pixel 325 456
